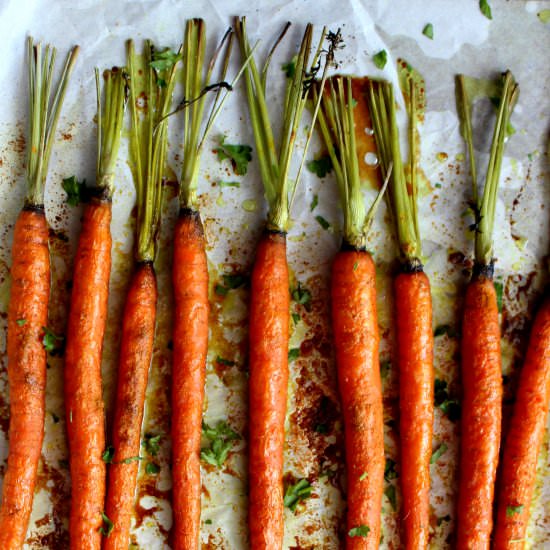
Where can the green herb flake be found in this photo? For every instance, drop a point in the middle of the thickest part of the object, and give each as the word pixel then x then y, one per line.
pixel 296 318
pixel 221 290
pixel 428 31
pixel 511 511
pixel 21 322
pixel 49 339
pixel 302 296
pixel 221 441
pixel 438 453
pixel 239 155
pixel 359 531
pixel 76 190
pixel 131 459
pixel 441 330
pixel 320 166
pixel 363 476
pixel 164 60
pixel 152 469
pixel 234 281
pixel 544 16
pixel 229 184
pixel 380 59
pixel 314 203
pixel 290 68
pixel 389 470
pixel 108 455
pixel 499 288
pixel 152 444
pixel 225 362
pixel 208 522
pixel 355 266
pixel 485 9
pixel 442 399
pixel 107 528
pixel 322 222
pixel 293 354
pixel 391 495
pixel 296 493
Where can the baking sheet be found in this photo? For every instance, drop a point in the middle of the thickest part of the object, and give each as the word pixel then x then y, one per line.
pixel 464 41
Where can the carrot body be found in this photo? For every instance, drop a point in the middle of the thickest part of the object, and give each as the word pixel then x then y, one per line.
pixel 523 442
pixel 190 281
pixel 83 388
pixel 481 414
pixel 136 352
pixel 356 339
pixel 268 337
pixel 413 305
pixel 27 315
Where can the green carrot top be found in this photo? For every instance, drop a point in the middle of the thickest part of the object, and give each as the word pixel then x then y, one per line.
pixel 484 207
pixel 275 164
pixel 152 77
pixel 337 125
pixel 110 118
pixel 402 190
pixel 44 113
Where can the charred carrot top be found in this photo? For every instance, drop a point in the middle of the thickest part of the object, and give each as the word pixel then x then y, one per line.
pixel 28 306
pixel 270 300
pixel 413 306
pixel 86 326
pixel 481 363
pixel 151 87
pixel 354 320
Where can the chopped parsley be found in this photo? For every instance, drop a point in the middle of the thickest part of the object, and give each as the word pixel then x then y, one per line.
pixel 380 59
pixel 131 459
pixel 442 399
pixel 152 444
pixel 239 155
pixel 511 511
pixel 293 354
pixel 76 190
pixel 322 222
pixel 152 469
pixel 290 68
pixel 321 166
pixel 50 338
pixel 391 495
pixel 296 318
pixel 359 531
pixel 225 362
pixel 108 455
pixel 314 203
pixel 107 528
pixel 302 296
pixel 230 282
pixel 499 287
pixel 428 31
pixel 485 9
pixel 389 470
pixel 208 522
pixel 363 476
pixel 221 440
pixel 438 453
pixel 21 322
pixel 296 493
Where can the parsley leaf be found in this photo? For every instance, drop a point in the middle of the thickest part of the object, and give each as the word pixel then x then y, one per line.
pixel 152 444
pixel 108 455
pixel 163 60
pixel 293 354
pixel 512 510
pixel 107 528
pixel 50 338
pixel 221 438
pixel 208 522
pixel 239 155
pixel 230 282
pixel 321 166
pixel 499 288
pixel 296 318
pixel 485 9
pixel 152 469
pixel 428 31
pixel 296 493
pixel 322 222
pixel 21 322
pixel 225 362
pixel 380 59
pixel 389 470
pixel 438 453
pixel 391 495
pixel 76 190
pixel 314 203
pixel 131 459
pixel 359 531
pixel 290 68
pixel 302 296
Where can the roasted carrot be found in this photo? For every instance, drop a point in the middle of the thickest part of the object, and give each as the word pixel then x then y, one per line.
pixel 86 328
pixel 354 322
pixel 148 143
pixel 270 299
pixel 524 439
pixel 480 345
pixel 190 283
pixel 28 305
pixel 413 311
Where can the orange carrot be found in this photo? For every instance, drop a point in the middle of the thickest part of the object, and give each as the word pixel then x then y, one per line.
pixel 136 352
pixel 413 311
pixel 524 439
pixel 148 144
pixel 27 315
pixel 356 339
pixel 86 328
pixel 190 280
pixel 28 305
pixel 480 346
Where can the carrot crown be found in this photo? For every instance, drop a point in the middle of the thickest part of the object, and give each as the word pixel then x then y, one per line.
pixel 275 165
pixel 44 113
pixel 151 87
pixel 337 125
pixel 484 207
pixel 109 124
pixel 402 191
